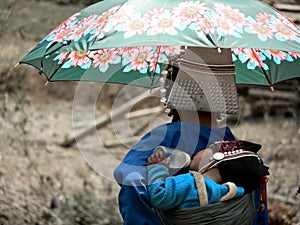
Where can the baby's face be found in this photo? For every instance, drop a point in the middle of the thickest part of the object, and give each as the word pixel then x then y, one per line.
pixel 201 159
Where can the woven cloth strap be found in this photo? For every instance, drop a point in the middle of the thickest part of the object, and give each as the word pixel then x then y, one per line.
pixel 239 211
pixel 201 188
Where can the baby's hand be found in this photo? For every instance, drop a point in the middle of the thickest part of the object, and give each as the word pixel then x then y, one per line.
pixel 158 157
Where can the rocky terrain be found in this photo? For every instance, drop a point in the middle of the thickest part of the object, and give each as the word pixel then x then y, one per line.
pixel 42 182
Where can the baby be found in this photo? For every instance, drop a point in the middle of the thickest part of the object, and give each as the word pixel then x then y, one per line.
pixel 224 171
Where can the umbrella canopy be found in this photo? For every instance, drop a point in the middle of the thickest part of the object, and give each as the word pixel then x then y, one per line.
pixel 124 41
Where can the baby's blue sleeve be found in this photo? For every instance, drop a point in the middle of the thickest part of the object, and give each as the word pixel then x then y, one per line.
pixel 216 191
pixel 169 192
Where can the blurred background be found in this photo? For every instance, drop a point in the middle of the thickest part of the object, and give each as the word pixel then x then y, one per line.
pixel 42 182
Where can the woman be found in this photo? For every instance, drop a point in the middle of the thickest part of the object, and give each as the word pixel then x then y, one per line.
pixel 191 135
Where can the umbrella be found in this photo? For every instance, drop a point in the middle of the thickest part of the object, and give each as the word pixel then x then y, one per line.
pixel 124 41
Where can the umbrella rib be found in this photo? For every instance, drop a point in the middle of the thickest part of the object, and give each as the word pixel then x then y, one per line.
pixel 57 68
pixel 264 71
pixel 54 50
pixel 49 53
pixel 155 67
pixel 268 79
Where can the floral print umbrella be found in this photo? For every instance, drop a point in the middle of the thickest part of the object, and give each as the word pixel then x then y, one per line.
pixel 124 41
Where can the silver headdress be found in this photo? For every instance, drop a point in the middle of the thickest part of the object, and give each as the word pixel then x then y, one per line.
pixel 205 81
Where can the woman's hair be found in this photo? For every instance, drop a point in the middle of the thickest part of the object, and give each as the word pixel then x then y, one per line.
pixel 245 172
pixel 175 115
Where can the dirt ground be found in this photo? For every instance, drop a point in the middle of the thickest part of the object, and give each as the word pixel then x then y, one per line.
pixel 42 182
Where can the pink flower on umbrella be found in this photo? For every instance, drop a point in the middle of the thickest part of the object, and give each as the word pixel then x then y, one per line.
pixel 79 58
pixel 189 12
pixel 101 21
pixel 262 30
pixel 169 51
pixel 283 32
pixel 83 27
pixel 68 22
pixel 62 57
pixel 61 32
pixel 263 17
pixel 256 59
pixel 279 56
pixel 295 55
pixel 153 66
pixel 121 16
pixel 62 35
pixel 125 52
pixel 139 59
pixel 102 58
pixel 224 27
pixel 236 51
pixel 253 57
pixel 156 57
pixel 97 28
pixel 135 25
pixel 285 20
pixel 164 24
pixel 152 13
pixel 234 16
pixel 206 25
pixel 76 58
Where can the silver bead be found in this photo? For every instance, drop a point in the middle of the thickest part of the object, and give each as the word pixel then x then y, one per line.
pixel 164 73
pixel 163 90
pixel 163 100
